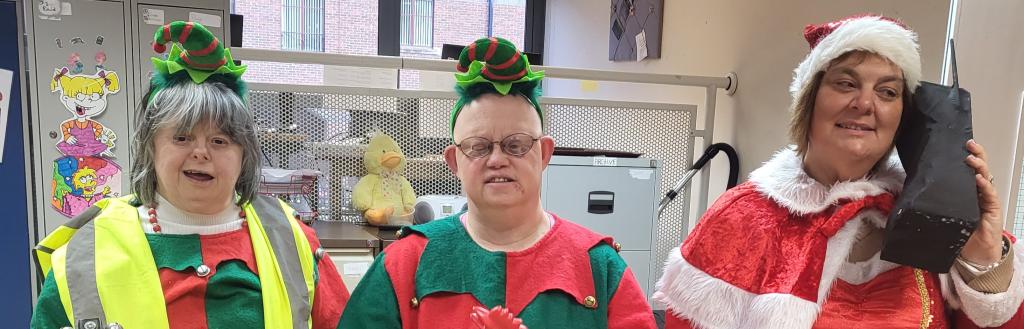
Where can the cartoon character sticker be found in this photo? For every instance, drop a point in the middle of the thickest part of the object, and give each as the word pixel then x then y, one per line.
pixel 100 58
pixel 80 182
pixel 75 63
pixel 86 172
pixel 85 96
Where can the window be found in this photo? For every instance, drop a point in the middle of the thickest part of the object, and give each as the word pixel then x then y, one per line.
pixel 417 23
pixel 1018 221
pixel 456 22
pixel 303 25
pixel 407 28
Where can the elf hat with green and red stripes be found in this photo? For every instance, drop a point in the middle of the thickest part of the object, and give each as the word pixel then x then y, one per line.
pixel 494 65
pixel 194 51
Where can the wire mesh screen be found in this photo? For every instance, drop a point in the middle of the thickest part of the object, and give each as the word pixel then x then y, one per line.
pixel 328 131
pixel 664 134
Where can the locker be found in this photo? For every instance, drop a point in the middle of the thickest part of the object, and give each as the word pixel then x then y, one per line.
pixel 89 61
pixel 150 16
pixel 82 98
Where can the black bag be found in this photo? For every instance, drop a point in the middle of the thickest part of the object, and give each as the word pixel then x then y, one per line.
pixel 938 208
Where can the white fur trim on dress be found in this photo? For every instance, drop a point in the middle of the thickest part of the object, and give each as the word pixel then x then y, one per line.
pixel 871 33
pixel 710 303
pixel 867 270
pixel 836 253
pixel 992 310
pixel 783 180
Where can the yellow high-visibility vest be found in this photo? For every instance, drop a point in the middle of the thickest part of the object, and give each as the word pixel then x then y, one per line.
pixel 105 271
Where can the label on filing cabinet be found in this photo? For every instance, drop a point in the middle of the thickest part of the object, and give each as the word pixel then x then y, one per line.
pixel 605 162
pixel 358 268
pixel 642 174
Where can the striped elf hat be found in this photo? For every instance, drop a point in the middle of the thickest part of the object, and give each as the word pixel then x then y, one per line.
pixel 494 65
pixel 195 51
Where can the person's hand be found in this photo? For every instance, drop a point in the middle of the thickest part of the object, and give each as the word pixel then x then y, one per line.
pixel 495 318
pixel 71 140
pixel 986 243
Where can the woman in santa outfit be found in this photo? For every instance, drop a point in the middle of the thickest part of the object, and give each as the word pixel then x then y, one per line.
pixel 798 245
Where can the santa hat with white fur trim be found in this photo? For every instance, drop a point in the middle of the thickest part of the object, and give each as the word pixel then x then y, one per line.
pixel 884 36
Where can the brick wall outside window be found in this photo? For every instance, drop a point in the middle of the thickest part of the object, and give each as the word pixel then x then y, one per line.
pixel 351 28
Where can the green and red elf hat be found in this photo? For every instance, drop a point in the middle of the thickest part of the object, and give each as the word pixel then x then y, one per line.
pixel 195 53
pixel 494 65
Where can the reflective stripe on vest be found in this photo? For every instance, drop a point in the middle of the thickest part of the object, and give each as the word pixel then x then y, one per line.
pixel 296 270
pixel 84 293
pixel 62 235
pixel 92 268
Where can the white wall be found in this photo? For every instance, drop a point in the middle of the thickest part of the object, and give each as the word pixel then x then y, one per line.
pixel 759 40
pixel 990 58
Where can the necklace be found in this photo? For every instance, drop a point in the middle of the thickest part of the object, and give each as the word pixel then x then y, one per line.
pixel 156 222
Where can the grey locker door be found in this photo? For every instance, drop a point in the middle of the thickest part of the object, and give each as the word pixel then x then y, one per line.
pixel 74 175
pixel 567 191
pixel 148 22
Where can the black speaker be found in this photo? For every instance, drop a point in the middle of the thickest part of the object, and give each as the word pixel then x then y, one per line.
pixel 237 21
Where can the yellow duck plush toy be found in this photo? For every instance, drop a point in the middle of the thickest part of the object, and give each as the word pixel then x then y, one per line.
pixel 384 193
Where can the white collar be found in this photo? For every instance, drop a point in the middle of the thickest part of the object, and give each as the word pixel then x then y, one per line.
pixel 783 179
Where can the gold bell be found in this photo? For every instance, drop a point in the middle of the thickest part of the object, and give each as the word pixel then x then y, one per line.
pixel 590 302
pixel 415 302
pixel 617 246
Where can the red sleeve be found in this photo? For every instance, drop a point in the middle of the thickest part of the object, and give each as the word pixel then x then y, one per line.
pixel 628 308
pixel 331 295
pixel 674 322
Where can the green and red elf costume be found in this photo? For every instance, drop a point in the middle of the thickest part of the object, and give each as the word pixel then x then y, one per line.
pixel 436 276
pixel 261 268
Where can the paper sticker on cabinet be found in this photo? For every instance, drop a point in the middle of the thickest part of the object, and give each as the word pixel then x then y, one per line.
pixel 85 172
pixel 357 268
pixel 85 97
pixel 153 16
pixel 643 174
pixel 65 9
pixel 80 182
pixel 605 162
pixel 205 19
pixel 100 57
pixel 49 10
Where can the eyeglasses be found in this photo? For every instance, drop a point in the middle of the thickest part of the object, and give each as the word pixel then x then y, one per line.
pixel 515 145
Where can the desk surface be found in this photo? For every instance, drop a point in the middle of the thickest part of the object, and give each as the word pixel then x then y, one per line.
pixel 336 234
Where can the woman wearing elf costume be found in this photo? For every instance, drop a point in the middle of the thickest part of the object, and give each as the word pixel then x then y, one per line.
pixel 798 245
pixel 194 247
pixel 505 263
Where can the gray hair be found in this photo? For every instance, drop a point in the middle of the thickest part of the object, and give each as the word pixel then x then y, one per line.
pixel 185 105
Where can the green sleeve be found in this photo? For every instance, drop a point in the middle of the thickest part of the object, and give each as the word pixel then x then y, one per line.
pixel 49 312
pixel 373 304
